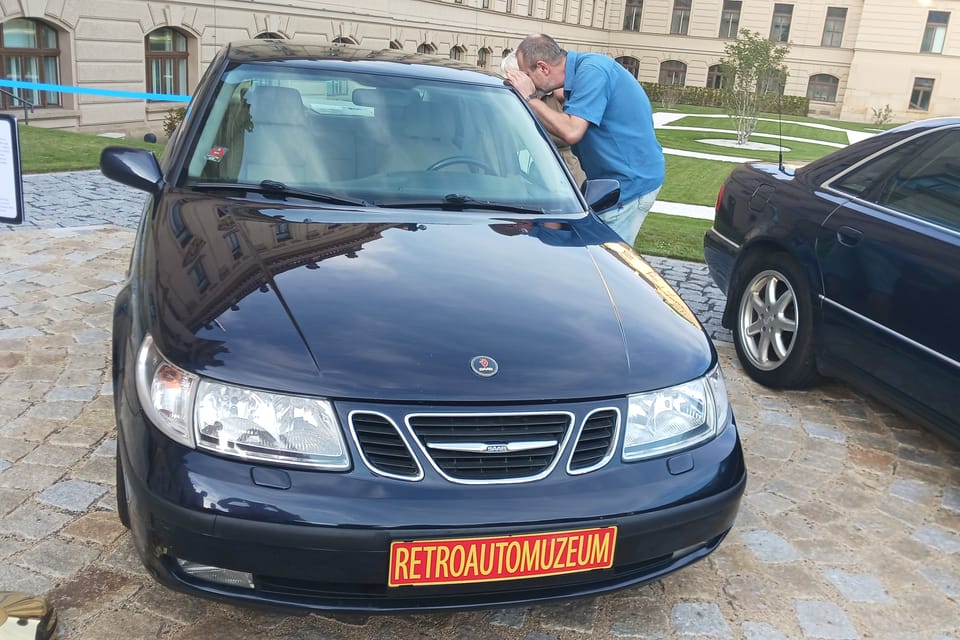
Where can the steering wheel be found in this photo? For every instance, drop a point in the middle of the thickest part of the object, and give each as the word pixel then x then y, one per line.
pixel 467 160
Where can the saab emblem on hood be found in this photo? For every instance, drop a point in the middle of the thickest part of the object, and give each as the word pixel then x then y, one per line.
pixel 484 366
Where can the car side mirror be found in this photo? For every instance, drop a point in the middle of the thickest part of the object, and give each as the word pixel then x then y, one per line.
pixel 601 194
pixel 137 168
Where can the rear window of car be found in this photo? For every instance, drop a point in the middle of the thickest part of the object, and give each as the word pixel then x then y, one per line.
pixel 378 138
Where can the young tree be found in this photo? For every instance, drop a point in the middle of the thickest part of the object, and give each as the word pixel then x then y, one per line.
pixel 752 66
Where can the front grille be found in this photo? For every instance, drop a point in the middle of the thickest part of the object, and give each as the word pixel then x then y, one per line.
pixel 596 438
pixel 453 431
pixel 385 451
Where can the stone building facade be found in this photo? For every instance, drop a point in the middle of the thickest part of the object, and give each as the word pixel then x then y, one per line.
pixel 849 56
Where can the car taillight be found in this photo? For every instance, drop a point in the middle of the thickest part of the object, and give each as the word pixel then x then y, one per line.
pixel 723 189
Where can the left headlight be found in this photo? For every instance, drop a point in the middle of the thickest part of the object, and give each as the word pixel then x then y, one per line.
pixel 236 421
pixel 675 418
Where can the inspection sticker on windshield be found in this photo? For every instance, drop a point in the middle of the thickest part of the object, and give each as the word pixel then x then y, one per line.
pixel 216 154
pixel 457 561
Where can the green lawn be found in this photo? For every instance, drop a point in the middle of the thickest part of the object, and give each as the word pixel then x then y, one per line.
pixel 672 237
pixel 693 181
pixel 793 151
pixel 46 150
pixel 794 129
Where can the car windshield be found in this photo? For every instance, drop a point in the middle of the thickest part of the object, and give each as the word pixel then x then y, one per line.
pixel 381 139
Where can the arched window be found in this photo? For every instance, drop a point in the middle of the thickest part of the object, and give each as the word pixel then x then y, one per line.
pixel 344 40
pixel 715 77
pixel 29 52
pixel 457 52
pixel 630 64
pixel 483 57
pixel 505 52
pixel 269 35
pixel 396 45
pixel 427 48
pixel 823 87
pixel 167 62
pixel 673 72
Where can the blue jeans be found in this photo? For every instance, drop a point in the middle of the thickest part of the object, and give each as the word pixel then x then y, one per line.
pixel 626 217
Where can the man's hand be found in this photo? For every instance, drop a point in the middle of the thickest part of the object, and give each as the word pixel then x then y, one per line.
pixel 521 82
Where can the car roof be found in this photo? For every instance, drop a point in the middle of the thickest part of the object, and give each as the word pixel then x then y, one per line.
pixel 384 61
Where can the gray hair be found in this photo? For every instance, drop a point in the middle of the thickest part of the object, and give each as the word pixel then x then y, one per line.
pixel 540 46
pixel 509 63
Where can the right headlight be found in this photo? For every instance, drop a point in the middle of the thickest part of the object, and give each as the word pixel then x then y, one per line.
pixel 236 421
pixel 668 420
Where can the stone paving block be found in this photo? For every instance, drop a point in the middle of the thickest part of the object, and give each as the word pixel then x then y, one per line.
pixel 81 394
pixel 54 455
pixel 768 503
pixel 14 578
pixel 32 477
pixel 576 615
pixel 825 431
pixel 762 631
pixel 33 522
pixel 699 619
pixel 767 546
pixel 513 617
pixel 107 448
pixel 72 495
pixel 777 419
pixel 857 587
pixel 57 558
pixel 911 490
pixel 102 528
pixel 938 538
pixel 77 436
pixel 18 333
pixel 824 620
pixel 641 618
pixel 4 465
pixel 951 499
pixel 98 470
pixel 125 624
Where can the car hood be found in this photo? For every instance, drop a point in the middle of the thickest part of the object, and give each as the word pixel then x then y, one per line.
pixel 394 305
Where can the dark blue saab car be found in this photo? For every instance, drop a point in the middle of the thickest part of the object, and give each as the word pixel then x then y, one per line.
pixel 375 352
pixel 850 267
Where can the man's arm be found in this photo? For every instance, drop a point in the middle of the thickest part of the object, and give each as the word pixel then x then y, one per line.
pixel 568 128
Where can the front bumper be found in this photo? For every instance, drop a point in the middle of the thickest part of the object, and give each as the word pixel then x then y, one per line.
pixel 312 566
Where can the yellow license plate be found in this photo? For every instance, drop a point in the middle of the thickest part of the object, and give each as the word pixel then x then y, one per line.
pixel 459 561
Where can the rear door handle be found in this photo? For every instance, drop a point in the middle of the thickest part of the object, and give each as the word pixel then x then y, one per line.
pixel 848 236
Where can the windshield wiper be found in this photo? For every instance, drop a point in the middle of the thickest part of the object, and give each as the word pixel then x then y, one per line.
pixel 280 190
pixel 459 202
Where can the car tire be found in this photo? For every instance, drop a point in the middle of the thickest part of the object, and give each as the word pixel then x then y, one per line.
pixel 773 322
pixel 123 510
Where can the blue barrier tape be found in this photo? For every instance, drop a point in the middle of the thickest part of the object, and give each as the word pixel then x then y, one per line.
pixel 62 88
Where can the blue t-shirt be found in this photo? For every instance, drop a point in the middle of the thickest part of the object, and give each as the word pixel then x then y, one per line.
pixel 619 143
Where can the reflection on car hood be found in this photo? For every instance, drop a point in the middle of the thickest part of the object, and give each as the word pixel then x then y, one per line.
pixel 356 306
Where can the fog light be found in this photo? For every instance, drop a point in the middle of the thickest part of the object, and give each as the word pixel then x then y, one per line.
pixel 227 577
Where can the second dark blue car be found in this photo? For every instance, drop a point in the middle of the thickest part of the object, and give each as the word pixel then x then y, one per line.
pixel 850 267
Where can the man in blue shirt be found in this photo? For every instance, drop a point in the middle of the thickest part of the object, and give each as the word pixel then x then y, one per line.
pixel 606 117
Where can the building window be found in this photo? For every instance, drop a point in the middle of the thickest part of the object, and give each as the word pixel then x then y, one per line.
pixel 773 81
pixel 199 276
pixel 180 229
pixel 630 64
pixel 428 49
pixel 715 77
pixel 281 231
pixel 681 17
pixel 457 52
pixel 833 27
pixel 486 4
pixel 268 35
pixel 233 241
pixel 823 87
pixel 509 8
pixel 345 40
pixel 166 62
pixel 29 52
pixel 396 45
pixel 631 15
pixel 935 32
pixel 531 5
pixel 730 19
pixel 673 72
pixel 483 58
pixel 920 97
pixel 780 28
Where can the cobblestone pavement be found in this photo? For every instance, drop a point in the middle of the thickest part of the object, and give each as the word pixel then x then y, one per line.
pixel 849 528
